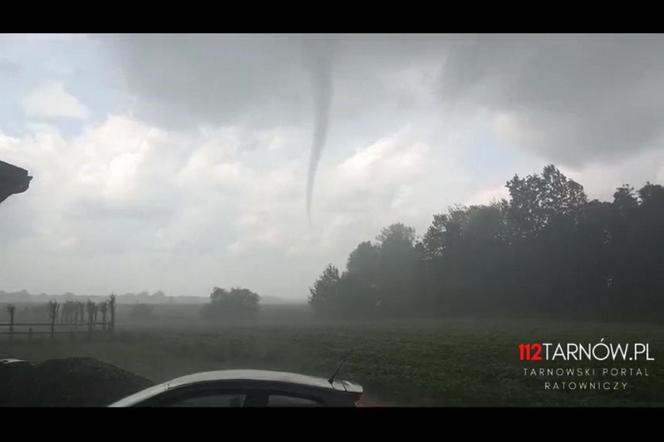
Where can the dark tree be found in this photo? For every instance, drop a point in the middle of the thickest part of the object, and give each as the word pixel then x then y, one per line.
pixel 325 293
pixel 545 252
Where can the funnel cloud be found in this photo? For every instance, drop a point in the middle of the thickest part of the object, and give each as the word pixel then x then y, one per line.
pixel 321 81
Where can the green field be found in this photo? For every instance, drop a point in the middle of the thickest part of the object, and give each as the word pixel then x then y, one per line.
pixel 469 362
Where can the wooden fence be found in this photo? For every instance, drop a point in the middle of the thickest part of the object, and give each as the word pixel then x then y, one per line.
pixel 70 317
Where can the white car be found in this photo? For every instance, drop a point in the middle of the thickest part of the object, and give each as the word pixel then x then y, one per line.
pixel 247 388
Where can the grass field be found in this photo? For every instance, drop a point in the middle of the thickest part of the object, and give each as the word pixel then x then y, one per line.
pixel 410 362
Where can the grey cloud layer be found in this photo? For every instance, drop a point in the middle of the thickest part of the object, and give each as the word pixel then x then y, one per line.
pixel 571 98
pixel 577 99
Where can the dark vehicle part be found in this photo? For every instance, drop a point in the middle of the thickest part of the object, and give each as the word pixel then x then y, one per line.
pixel 246 388
pixel 68 382
pixel 13 180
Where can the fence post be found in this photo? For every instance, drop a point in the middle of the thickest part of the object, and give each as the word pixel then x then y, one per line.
pixel 111 305
pixel 10 310
pixel 53 310
pixel 88 308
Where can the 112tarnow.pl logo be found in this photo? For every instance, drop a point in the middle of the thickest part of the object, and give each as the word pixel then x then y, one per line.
pixel 573 351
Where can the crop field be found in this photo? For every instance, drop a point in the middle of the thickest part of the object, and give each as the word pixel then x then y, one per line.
pixel 469 362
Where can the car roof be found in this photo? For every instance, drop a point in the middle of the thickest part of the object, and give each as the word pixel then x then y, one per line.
pixel 257 375
pixel 10 361
pixel 242 375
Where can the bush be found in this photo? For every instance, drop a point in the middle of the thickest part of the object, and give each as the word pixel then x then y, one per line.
pixel 236 303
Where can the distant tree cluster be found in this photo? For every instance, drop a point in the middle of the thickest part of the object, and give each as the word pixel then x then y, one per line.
pixel 545 252
pixel 236 303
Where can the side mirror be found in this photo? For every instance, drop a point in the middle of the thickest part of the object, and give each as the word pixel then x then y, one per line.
pixel 13 180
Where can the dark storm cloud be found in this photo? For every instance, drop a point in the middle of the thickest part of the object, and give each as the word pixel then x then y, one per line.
pixel 573 98
pixel 186 80
pixel 580 98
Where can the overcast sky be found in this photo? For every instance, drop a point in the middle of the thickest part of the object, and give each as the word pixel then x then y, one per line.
pixel 180 162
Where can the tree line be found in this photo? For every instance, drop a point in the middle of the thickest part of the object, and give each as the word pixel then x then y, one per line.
pixel 547 251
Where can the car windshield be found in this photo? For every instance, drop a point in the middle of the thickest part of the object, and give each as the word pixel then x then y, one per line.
pixel 374 219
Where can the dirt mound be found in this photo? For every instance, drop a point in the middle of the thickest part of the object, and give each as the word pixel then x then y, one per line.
pixel 69 382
